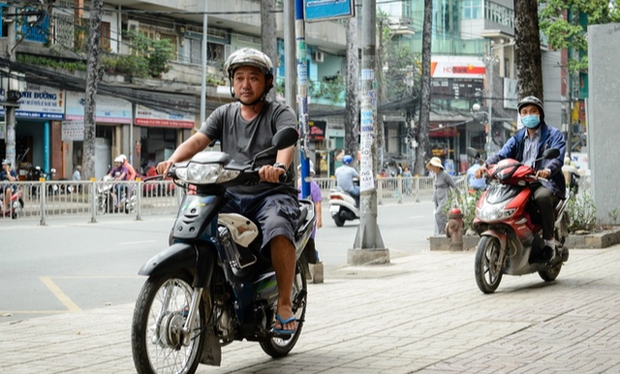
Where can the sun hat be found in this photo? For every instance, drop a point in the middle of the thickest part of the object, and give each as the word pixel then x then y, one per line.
pixel 435 161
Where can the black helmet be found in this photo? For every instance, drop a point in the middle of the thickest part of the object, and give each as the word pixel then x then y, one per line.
pixel 532 100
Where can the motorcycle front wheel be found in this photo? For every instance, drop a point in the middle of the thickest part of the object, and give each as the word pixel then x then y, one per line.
pixel 278 347
pixel 157 339
pixel 488 270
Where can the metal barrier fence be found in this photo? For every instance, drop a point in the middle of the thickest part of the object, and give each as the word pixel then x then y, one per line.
pixel 396 189
pixel 43 200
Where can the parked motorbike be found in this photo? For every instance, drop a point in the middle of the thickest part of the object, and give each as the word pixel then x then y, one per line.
pixel 37 174
pixel 342 206
pixel 511 235
pixel 212 286
pixel 16 209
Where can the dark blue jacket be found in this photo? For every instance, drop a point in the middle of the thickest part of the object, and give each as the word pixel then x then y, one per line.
pixel 550 137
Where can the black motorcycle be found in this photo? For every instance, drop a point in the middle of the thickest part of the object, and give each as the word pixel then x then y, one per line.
pixel 212 286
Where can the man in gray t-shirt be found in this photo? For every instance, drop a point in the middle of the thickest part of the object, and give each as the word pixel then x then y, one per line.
pixel 245 128
pixel 345 175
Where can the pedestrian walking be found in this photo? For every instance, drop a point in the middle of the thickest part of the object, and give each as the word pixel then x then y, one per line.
pixel 443 185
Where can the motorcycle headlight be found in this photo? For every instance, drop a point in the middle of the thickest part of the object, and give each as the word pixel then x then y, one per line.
pixel 494 212
pixel 206 174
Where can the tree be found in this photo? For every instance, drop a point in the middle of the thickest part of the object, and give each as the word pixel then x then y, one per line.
pixel 351 121
pixel 92 80
pixel 559 21
pixel 423 150
pixel 268 35
pixel 527 49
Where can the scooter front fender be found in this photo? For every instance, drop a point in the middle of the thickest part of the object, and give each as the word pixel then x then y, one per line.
pixel 496 234
pixel 177 256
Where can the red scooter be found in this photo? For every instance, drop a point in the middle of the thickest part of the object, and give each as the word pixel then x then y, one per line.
pixel 16 209
pixel 511 235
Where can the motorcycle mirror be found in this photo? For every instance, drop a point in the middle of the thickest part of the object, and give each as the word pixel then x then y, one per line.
pixel 282 139
pixel 285 138
pixel 551 153
pixel 473 153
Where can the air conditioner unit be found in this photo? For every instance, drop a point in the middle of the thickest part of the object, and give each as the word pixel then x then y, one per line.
pixel 330 144
pixel 318 56
pixel 133 25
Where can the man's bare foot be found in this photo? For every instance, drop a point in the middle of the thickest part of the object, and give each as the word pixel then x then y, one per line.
pixel 285 319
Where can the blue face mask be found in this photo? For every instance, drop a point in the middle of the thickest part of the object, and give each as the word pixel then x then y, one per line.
pixel 530 121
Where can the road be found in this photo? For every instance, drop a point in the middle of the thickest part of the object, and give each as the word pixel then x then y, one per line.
pixel 72 265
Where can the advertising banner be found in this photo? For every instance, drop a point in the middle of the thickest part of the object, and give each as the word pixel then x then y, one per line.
pixel 39 102
pixel 108 109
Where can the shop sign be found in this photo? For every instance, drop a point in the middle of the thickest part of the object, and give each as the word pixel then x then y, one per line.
pixel 72 131
pixel 40 102
pixel 440 131
pixel 154 118
pixel 317 130
pixel 457 67
pixel 108 109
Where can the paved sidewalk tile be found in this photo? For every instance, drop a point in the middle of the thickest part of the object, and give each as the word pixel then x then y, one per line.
pixel 420 314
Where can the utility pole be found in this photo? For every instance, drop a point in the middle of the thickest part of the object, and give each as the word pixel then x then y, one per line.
pixel 92 80
pixel 203 85
pixel 368 247
pixel 351 120
pixel 491 69
pixel 8 109
pixel 268 36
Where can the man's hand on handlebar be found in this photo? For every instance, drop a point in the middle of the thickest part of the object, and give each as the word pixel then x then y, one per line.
pixel 543 174
pixel 271 174
pixel 163 167
pixel 480 172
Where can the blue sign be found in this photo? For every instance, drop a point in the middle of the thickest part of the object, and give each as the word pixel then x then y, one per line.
pixel 322 10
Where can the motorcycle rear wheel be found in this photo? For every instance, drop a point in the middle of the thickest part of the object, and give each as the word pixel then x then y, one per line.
pixel 338 221
pixel 277 347
pixel 159 315
pixel 488 271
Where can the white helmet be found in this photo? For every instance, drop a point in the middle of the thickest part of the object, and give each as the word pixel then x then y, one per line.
pixel 119 159
pixel 248 57
pixel 123 157
pixel 311 168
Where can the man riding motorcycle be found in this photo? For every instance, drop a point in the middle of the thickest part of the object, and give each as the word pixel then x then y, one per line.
pixel 345 175
pixel 527 146
pixel 245 128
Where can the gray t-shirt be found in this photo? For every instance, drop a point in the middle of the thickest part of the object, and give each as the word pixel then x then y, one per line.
pixel 243 139
pixel 344 177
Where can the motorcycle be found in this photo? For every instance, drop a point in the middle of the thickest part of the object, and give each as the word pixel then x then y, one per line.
pixel 342 206
pixel 16 209
pixel 107 196
pixel 37 174
pixel 506 220
pixel 212 286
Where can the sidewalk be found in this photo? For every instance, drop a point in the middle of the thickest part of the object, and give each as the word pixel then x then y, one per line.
pixel 421 314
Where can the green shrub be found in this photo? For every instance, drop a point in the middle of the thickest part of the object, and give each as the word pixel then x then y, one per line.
pixel 582 212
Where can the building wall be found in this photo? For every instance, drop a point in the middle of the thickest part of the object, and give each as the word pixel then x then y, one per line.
pixel 603 114
pixel 552 87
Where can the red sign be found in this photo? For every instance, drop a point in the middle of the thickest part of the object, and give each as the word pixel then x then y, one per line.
pixel 164 123
pixel 445 131
pixel 317 130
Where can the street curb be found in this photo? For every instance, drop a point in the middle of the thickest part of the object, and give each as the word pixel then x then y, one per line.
pixel 599 240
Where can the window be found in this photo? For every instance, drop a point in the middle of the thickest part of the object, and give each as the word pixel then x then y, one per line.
pixel 105 36
pixel 472 9
pixel 195 50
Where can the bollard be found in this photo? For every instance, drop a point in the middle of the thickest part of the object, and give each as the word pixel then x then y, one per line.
pixel 454 229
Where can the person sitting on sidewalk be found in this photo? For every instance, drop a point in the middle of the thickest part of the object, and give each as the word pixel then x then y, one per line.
pixel 7 175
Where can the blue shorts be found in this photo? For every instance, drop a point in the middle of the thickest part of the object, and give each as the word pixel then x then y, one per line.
pixel 274 212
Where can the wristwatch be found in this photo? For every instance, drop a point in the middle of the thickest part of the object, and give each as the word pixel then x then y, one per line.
pixel 279 165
